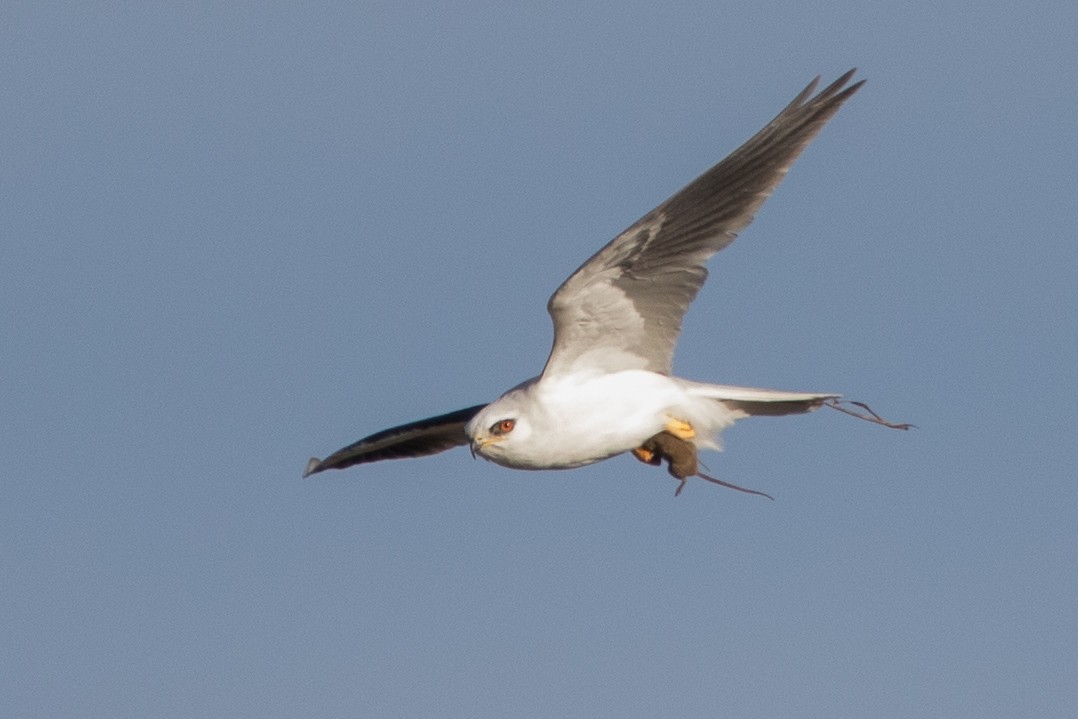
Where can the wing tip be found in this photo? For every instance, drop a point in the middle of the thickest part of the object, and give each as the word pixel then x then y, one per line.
pixel 314 465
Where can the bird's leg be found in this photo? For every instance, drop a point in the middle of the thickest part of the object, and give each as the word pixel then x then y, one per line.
pixel 680 428
pixel 660 447
pixel 647 456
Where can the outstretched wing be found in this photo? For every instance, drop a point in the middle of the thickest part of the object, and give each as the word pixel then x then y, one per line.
pixel 416 439
pixel 623 308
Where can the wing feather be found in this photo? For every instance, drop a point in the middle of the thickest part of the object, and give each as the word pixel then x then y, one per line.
pixel 622 309
pixel 415 439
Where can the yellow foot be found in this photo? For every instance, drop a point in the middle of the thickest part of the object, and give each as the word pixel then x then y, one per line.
pixel 680 429
pixel 646 456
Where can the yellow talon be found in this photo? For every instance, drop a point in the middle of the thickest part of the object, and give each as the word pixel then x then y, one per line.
pixel 646 455
pixel 680 429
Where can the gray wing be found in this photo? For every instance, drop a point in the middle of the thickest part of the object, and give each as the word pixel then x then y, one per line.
pixel 623 308
pixel 415 439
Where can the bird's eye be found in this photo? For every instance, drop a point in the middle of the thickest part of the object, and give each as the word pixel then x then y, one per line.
pixel 505 426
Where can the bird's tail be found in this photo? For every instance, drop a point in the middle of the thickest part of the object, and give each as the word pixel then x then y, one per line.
pixel 756 402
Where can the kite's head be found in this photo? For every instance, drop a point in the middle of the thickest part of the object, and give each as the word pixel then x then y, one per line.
pixel 500 431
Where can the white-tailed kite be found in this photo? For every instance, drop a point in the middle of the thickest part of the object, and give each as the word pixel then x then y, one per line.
pixel 607 386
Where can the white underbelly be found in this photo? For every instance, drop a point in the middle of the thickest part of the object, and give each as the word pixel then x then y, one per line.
pixel 579 422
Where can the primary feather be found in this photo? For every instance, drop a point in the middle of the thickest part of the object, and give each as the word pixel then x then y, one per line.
pixel 622 309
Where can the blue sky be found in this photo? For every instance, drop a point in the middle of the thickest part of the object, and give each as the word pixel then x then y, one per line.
pixel 235 236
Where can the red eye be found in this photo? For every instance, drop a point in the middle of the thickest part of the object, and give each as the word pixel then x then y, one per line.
pixel 503 427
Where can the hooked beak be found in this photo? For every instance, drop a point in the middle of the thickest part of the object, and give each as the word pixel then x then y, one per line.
pixel 478 443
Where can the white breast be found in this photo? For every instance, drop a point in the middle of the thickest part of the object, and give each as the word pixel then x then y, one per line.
pixel 573 421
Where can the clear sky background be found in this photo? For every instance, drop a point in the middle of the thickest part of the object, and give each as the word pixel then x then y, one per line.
pixel 233 236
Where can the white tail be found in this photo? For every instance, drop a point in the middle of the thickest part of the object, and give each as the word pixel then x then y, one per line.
pixel 756 402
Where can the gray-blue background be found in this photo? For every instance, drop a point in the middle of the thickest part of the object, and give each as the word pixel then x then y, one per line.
pixel 235 235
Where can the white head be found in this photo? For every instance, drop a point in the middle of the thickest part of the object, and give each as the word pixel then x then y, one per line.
pixel 501 429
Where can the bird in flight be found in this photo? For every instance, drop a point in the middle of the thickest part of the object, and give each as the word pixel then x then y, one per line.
pixel 607 387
